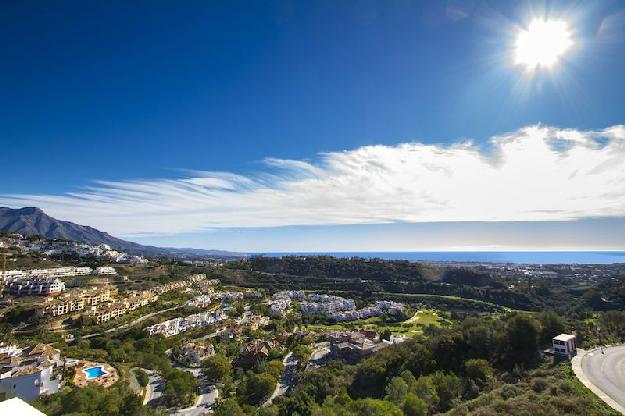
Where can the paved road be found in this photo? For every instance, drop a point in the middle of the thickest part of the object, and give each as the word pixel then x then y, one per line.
pixel 606 371
pixel 154 388
pixel 287 380
pixel 203 404
pixel 205 400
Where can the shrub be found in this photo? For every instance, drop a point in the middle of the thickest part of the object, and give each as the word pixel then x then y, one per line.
pixel 566 386
pixel 539 384
pixel 508 392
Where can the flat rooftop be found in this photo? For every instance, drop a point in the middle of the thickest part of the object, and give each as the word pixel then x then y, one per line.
pixel 564 337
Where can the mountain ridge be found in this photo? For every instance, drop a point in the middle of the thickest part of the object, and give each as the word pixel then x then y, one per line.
pixel 33 221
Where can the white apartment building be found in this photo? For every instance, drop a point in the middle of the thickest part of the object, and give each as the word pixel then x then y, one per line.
pixel 105 270
pixel 29 372
pixel 174 326
pixel 33 286
pixel 45 273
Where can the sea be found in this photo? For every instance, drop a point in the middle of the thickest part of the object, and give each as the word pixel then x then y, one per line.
pixel 514 257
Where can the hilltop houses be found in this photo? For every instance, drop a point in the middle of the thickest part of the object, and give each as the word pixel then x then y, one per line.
pixel 30 371
pixel 377 309
pixel 33 286
pixel 326 304
pixel 334 307
pixel 280 301
pixel 175 326
pixel 201 301
pixel 254 352
pixel 102 304
pixel 341 309
pixel 98 304
pixel 192 354
pixel 45 282
pixel 76 301
pixel 55 248
pixel 353 346
pixel 55 272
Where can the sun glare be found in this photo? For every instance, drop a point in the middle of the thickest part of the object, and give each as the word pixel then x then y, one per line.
pixel 542 44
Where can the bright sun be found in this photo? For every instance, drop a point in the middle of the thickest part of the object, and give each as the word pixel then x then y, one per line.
pixel 542 44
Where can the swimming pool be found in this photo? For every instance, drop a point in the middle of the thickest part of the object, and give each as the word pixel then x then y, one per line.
pixel 94 372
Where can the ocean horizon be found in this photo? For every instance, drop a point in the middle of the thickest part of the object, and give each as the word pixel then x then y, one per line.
pixel 515 257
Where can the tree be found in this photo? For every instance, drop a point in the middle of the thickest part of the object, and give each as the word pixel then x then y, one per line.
pixel 370 377
pixel 373 407
pixel 409 378
pixel 479 371
pixel 414 406
pixel 93 400
pixel 273 367
pixel 142 377
pixel 179 389
pixel 396 391
pixel 551 324
pixel 302 352
pixel 521 341
pixel 258 388
pixel 594 299
pixel 216 367
pixel 426 390
pixel 448 389
pixel 229 407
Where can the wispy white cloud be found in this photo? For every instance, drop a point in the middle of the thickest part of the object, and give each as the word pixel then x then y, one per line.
pixel 535 174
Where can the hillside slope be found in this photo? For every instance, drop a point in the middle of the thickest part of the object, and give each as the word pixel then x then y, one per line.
pixel 31 221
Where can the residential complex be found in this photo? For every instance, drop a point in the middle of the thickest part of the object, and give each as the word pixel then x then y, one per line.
pixel 280 301
pixel 113 310
pixel 76 300
pixel 201 301
pixel 58 248
pixel 30 371
pixel 57 272
pixel 45 282
pixel 334 307
pixel 33 286
pixel 175 326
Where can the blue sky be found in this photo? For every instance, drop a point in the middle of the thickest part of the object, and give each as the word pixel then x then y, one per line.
pixel 138 104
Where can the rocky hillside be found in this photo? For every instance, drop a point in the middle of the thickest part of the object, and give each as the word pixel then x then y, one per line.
pixel 31 221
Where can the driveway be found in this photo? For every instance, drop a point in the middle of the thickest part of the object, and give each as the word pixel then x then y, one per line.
pixel 154 389
pixel 208 395
pixel 287 380
pixel 203 404
pixel 602 370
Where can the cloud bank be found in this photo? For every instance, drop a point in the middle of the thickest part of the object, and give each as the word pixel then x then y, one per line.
pixel 537 173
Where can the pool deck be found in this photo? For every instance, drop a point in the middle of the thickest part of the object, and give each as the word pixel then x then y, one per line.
pixel 106 380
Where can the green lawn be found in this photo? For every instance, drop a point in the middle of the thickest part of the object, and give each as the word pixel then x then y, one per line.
pixel 410 327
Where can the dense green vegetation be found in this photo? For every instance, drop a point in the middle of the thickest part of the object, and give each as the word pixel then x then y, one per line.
pixel 368 277
pixel 475 366
pixel 93 401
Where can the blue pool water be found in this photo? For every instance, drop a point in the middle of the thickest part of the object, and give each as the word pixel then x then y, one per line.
pixel 94 372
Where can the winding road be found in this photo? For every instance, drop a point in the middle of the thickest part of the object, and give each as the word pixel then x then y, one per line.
pixel 603 373
pixel 287 380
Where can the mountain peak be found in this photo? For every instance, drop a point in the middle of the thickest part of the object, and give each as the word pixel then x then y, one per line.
pixel 32 221
pixel 30 211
